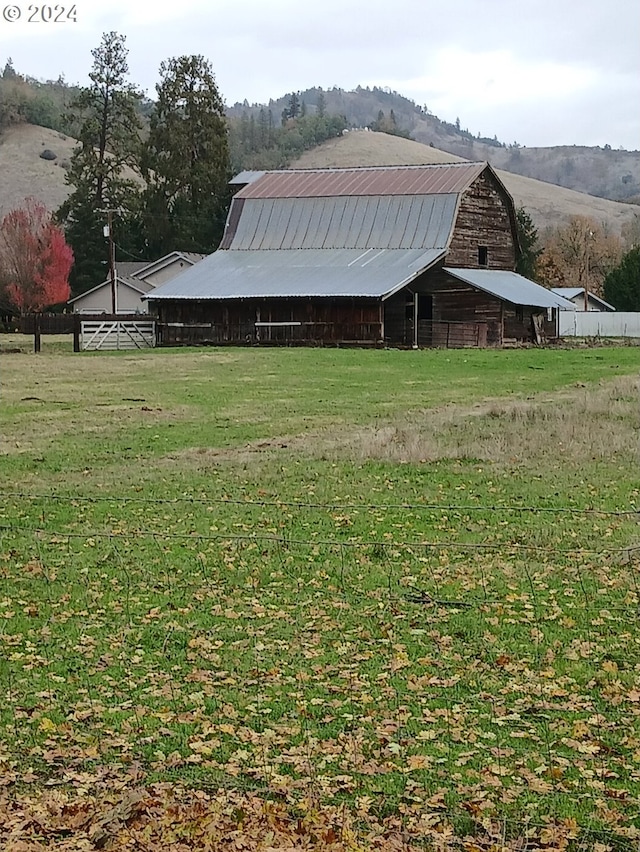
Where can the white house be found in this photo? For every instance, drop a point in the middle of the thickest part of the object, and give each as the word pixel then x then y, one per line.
pixel 576 295
pixel 133 280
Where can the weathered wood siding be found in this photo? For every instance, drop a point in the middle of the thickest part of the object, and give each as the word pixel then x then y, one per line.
pixel 328 321
pixel 455 301
pixel 484 219
pixel 398 319
pixel 518 324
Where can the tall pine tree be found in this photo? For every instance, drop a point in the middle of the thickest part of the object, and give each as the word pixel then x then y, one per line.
pixel 109 139
pixel 186 160
pixel 530 250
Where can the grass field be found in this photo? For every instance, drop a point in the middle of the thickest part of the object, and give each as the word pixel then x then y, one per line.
pixel 335 599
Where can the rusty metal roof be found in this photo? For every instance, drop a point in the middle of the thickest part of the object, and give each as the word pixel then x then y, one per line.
pixel 387 180
pixel 343 222
pixel 373 273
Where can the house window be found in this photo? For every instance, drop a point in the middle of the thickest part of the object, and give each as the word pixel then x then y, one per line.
pixel 483 256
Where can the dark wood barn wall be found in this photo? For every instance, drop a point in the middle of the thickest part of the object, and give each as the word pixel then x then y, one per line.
pixel 518 323
pixel 484 219
pixel 453 301
pixel 330 320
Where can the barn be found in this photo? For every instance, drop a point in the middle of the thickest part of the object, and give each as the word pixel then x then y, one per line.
pixel 400 256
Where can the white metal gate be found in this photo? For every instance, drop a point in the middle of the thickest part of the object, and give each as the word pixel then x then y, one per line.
pixel 119 334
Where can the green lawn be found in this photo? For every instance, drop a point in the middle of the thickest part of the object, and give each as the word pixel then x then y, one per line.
pixel 402 585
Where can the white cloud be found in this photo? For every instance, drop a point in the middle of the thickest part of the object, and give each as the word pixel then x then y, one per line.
pixel 493 79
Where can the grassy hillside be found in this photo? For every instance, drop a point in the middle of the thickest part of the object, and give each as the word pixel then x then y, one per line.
pixel 547 204
pixel 24 173
pixel 597 171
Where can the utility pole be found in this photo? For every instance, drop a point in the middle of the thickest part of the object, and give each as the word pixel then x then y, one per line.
pixel 108 232
pixel 586 283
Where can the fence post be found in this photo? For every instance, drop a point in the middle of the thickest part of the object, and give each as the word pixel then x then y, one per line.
pixel 36 333
pixel 76 332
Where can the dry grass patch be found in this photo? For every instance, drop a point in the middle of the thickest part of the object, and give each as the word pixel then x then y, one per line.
pixel 597 422
pixel 585 424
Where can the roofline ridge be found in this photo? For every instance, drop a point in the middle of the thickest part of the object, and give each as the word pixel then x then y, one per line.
pixel 316 169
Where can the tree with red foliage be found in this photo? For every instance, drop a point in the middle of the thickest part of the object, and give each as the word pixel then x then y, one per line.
pixel 35 259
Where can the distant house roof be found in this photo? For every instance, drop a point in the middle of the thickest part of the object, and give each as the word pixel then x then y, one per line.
pixel 245 177
pixel 151 266
pixel 132 273
pixel 127 268
pixel 511 287
pixel 193 256
pixel 573 292
pixel 127 281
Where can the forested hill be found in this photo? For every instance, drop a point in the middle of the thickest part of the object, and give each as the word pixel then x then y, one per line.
pixel 262 135
pixel 596 171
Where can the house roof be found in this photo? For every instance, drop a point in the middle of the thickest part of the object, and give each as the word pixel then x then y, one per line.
pixel 128 268
pixel 511 287
pixel 132 273
pixel 386 180
pixel 573 292
pixel 259 274
pixel 245 177
pixel 132 283
pixel 149 267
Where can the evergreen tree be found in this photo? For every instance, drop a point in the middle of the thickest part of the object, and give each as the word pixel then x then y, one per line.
pixel 109 136
pixel 622 285
pixel 264 129
pixel 9 72
pixel 293 109
pixel 187 160
pixel 529 247
pixel 321 105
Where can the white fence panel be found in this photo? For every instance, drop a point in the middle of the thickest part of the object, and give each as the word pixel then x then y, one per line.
pixel 110 335
pixel 598 324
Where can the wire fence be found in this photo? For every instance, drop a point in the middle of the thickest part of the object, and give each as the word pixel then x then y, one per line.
pixel 479 663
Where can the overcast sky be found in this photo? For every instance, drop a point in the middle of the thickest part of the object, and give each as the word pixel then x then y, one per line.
pixel 539 72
